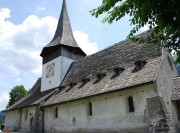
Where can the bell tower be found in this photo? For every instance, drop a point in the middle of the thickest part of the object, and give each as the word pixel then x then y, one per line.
pixel 58 55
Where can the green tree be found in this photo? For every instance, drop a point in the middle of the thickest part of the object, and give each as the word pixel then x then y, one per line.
pixel 16 94
pixel 162 17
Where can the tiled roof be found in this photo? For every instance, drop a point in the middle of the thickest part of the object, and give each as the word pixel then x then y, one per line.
pixel 33 98
pixel 176 89
pixel 123 54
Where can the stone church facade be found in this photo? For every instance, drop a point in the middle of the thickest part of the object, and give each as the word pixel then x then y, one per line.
pixel 125 88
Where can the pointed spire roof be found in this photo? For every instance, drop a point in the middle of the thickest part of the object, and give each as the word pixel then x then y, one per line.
pixel 63 35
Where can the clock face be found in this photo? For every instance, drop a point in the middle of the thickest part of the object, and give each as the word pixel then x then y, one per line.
pixel 50 70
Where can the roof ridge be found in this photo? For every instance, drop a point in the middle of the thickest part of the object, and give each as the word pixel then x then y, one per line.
pixel 104 49
pixel 118 43
pixel 34 88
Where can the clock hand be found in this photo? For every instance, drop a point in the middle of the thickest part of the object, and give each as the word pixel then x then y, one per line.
pixel 50 69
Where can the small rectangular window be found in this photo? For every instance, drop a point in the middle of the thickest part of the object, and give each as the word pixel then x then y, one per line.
pixel 26 114
pixel 178 109
pixel 131 104
pixel 90 109
pixel 56 112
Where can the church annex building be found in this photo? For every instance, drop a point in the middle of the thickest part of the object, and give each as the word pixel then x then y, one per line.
pixel 125 88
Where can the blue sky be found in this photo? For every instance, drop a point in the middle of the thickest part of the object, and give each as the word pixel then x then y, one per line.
pixel 27 26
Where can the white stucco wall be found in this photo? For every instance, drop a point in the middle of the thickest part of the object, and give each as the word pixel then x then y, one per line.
pixel 15 119
pixel 12 120
pixel 61 66
pixel 110 113
pixel 25 123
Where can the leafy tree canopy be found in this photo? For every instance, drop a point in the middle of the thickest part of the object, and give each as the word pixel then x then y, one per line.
pixel 162 17
pixel 16 94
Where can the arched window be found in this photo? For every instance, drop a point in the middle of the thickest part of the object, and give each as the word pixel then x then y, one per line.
pixel 131 104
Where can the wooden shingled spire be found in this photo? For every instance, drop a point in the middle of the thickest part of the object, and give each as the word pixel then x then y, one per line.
pixel 63 35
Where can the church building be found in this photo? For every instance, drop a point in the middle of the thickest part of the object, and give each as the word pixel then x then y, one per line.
pixel 125 88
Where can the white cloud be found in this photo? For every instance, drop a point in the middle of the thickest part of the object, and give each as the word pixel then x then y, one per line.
pixel 83 41
pixel 18 80
pixel 21 44
pixel 20 47
pixel 4 99
pixel 39 9
pixel 4 13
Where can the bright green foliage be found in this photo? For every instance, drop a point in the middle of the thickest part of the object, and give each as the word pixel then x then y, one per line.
pixel 162 17
pixel 16 94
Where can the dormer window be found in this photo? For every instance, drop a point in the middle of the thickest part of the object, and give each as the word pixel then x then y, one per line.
pixel 117 71
pixel 84 81
pixel 61 87
pixel 71 85
pixel 99 77
pixel 139 65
